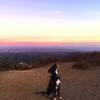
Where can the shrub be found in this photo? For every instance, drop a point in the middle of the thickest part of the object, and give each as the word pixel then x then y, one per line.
pixel 82 65
pixel 22 66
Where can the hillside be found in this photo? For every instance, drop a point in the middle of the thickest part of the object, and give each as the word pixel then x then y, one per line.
pixel 27 85
pixel 9 61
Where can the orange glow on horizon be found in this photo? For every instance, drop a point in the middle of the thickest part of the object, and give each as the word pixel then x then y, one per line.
pixel 50 40
pixel 44 43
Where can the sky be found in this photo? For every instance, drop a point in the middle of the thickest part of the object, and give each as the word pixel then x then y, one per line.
pixel 49 21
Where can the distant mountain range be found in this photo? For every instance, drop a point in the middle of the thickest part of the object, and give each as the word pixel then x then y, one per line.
pixel 34 49
pixel 61 48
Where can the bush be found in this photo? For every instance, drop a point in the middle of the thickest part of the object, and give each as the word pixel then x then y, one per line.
pixel 7 63
pixel 22 66
pixel 83 65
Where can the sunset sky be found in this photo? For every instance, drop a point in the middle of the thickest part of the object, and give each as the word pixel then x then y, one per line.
pixel 49 21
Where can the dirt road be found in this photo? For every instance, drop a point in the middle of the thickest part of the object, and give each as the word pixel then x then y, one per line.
pixel 27 85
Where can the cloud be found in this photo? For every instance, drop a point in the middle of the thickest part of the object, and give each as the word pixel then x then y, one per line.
pixel 36 18
pixel 95 13
pixel 56 12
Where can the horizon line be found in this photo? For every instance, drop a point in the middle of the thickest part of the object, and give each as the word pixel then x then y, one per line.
pixel 44 43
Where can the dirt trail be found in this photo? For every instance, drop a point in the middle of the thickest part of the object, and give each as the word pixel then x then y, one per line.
pixel 27 85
